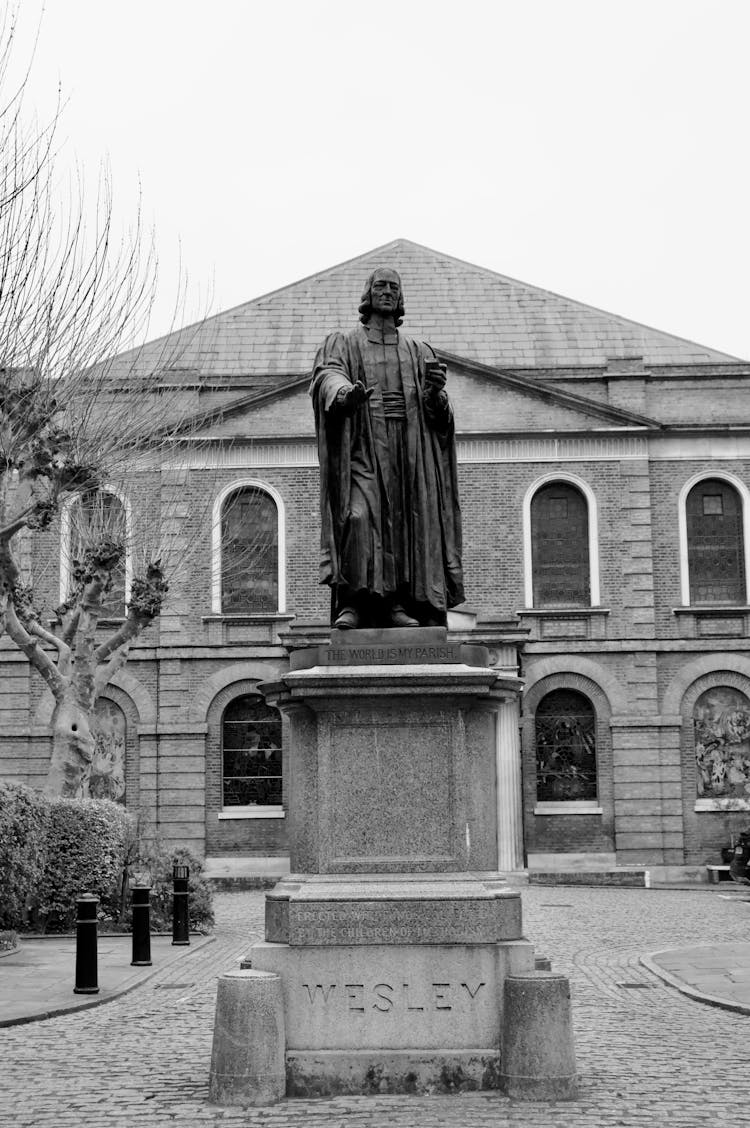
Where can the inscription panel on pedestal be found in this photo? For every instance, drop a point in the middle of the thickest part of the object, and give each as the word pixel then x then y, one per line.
pixel 391 796
pixel 406 996
pixel 402 922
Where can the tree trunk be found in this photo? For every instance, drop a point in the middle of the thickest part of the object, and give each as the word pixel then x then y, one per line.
pixel 72 749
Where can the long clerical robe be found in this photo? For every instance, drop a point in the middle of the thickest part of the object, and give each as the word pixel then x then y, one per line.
pixel 390 518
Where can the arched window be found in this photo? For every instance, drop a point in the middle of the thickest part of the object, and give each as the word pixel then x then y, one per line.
pixel 721 722
pixel 96 521
pixel 560 547
pixel 565 735
pixel 715 543
pixel 107 776
pixel 251 753
pixel 249 552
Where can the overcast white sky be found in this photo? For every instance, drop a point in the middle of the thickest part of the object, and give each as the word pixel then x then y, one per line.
pixel 597 148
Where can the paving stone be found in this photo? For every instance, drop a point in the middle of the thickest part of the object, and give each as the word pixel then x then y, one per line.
pixel 649 1056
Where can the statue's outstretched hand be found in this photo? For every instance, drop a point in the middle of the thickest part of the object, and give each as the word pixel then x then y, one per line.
pixel 349 399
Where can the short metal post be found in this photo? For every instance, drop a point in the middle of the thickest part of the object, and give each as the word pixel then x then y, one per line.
pixel 141 926
pixel 86 959
pixel 180 912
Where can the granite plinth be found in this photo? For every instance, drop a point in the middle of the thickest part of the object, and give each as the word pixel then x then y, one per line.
pixel 401 996
pixel 310 910
pixel 393 767
pixel 393 935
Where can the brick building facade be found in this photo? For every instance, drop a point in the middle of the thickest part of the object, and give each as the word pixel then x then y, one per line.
pixel 604 470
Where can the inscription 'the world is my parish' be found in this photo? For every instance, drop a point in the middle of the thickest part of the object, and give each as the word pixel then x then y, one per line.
pixel 398 655
pixel 387 997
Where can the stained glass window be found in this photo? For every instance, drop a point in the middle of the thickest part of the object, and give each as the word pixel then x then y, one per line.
pixel 565 747
pixel 715 543
pixel 249 553
pixel 560 547
pixel 251 752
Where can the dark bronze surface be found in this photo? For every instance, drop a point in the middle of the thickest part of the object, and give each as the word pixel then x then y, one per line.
pixel 390 518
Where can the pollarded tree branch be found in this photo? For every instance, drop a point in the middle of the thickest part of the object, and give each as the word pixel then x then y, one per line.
pixel 147 594
pixel 38 657
pixel 113 654
pixel 63 650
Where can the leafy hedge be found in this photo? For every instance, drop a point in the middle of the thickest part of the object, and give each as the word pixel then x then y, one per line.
pixel 53 850
pixel 23 822
pixel 86 844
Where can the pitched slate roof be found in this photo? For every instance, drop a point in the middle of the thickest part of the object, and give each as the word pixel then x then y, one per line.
pixel 456 306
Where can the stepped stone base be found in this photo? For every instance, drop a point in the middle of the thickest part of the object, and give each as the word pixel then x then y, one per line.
pixel 394 935
pixel 399 996
pixel 392 1018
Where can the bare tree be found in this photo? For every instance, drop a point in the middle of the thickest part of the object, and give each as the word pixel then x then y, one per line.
pixel 72 296
pixel 117 566
pixel 120 560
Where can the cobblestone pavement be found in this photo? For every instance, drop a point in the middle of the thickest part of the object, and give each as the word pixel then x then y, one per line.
pixel 647 1055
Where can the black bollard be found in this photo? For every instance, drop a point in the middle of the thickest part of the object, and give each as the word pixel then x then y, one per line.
pixel 180 913
pixel 87 979
pixel 141 926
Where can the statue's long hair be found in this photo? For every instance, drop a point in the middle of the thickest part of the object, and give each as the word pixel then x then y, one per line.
pixel 365 305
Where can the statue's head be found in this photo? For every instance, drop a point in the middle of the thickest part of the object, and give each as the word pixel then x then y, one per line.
pixel 385 298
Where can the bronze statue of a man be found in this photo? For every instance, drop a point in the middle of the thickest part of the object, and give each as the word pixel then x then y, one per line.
pixel 391 524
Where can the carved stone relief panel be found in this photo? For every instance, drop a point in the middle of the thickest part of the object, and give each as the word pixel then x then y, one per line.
pixel 721 720
pixel 107 779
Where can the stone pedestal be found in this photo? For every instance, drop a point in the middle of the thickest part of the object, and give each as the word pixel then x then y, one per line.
pixel 394 934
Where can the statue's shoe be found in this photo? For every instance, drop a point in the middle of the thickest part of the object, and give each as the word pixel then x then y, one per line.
pixel 399 618
pixel 347 620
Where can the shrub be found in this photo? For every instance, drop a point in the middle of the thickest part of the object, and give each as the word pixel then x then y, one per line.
pixel 23 821
pixel 53 850
pixel 154 862
pixel 86 844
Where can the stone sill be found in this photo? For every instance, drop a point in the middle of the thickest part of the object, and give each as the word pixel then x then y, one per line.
pixel 262 628
pixel 569 807
pixel 565 622
pixel 712 620
pixel 712 609
pixel 260 617
pixel 252 813
pixel 728 804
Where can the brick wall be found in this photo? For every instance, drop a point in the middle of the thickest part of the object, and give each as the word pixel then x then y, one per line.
pixel 646 757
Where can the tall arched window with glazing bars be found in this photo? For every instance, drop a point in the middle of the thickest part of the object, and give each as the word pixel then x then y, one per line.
pixel 560 547
pixel 715 543
pixel 249 553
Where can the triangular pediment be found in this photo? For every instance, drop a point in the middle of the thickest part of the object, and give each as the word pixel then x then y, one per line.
pixel 486 401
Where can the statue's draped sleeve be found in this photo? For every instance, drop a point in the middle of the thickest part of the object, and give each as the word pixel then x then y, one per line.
pixel 332 370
